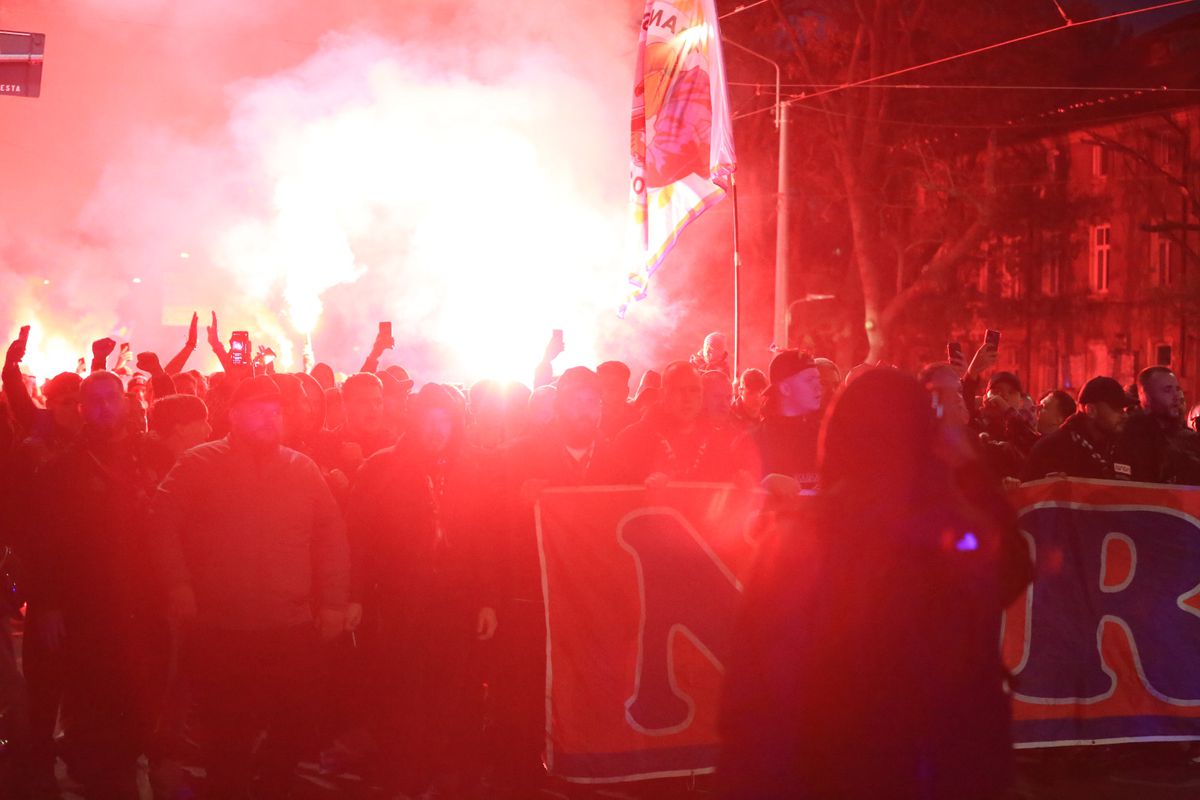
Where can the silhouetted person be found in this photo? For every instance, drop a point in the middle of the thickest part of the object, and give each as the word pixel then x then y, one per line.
pixel 618 412
pixel 570 451
pixel 749 399
pixel 674 441
pixel 96 589
pixel 252 553
pixel 420 528
pixel 866 663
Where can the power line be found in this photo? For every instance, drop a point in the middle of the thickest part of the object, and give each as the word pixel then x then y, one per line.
pixel 959 86
pixel 995 46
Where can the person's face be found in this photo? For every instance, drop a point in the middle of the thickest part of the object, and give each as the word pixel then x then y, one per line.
pixel 802 392
pixel 683 396
pixel 830 379
pixel 578 411
pixel 752 400
pixel 1162 396
pixel 713 350
pixel 949 389
pixel 65 412
pixel 614 391
pixel 717 396
pixel 1050 417
pixel 434 429
pixel 1007 397
pixel 363 409
pixel 191 434
pixel 103 405
pixel 258 423
pixel 1107 418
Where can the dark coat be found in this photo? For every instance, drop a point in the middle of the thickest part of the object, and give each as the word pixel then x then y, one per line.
pixel 1158 453
pixel 422 532
pixel 865 661
pixel 655 445
pixel 1071 450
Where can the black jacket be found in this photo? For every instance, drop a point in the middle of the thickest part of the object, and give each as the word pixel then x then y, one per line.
pixel 1158 453
pixel 1072 450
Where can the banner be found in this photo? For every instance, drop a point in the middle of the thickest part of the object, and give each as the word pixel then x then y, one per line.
pixel 642 589
pixel 682 135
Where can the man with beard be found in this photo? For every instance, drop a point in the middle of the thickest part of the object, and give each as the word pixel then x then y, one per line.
pixel 252 552
pixel 94 585
pixel 1156 442
pixel 341 451
pixel 674 441
pixel 419 535
pixel 570 452
pixel 1086 444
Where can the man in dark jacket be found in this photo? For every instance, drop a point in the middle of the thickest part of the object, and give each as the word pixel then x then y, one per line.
pixel 1085 445
pixel 674 442
pixel 94 588
pixel 1156 442
pixel 421 563
pixel 786 441
pixel 252 552
pixel 570 452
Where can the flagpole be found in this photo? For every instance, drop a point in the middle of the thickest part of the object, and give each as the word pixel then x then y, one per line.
pixel 737 280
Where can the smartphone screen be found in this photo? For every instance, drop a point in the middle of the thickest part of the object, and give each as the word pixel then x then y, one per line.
pixel 993 339
pixel 239 348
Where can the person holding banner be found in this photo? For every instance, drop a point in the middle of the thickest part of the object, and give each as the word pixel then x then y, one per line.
pixel 866 660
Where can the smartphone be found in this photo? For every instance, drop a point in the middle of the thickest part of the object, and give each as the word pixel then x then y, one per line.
pixel 558 336
pixel 124 347
pixel 23 336
pixel 385 333
pixel 954 352
pixel 992 339
pixel 239 348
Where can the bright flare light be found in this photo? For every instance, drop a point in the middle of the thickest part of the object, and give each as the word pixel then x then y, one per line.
pixel 475 204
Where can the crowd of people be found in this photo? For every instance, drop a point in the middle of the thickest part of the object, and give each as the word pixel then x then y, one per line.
pixel 249 568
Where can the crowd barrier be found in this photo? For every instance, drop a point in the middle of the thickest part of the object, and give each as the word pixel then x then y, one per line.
pixel 642 590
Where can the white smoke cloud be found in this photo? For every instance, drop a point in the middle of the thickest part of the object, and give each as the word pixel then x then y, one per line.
pixel 458 168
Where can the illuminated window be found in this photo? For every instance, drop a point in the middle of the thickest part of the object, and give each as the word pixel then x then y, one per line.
pixel 1101 255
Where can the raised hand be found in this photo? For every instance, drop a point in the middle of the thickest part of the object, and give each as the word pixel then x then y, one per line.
pixel 148 362
pixel 214 335
pixel 193 329
pixel 102 348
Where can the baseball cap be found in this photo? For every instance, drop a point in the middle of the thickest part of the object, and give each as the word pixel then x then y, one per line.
pixel 1103 390
pixel 261 388
pixel 787 363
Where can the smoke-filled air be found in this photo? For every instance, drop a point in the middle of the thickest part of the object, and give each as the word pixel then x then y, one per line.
pixel 458 168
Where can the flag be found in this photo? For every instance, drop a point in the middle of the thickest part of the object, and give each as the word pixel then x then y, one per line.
pixel 682 136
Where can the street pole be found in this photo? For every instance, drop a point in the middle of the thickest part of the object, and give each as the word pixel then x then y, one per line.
pixel 783 211
pixel 780 111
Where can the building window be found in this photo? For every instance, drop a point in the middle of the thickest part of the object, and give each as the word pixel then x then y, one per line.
pixel 1160 259
pixel 1101 255
pixel 1170 150
pixel 1099 161
pixel 1052 273
pixel 1009 269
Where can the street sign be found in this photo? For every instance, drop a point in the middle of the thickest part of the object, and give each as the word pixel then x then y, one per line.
pixel 21 56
